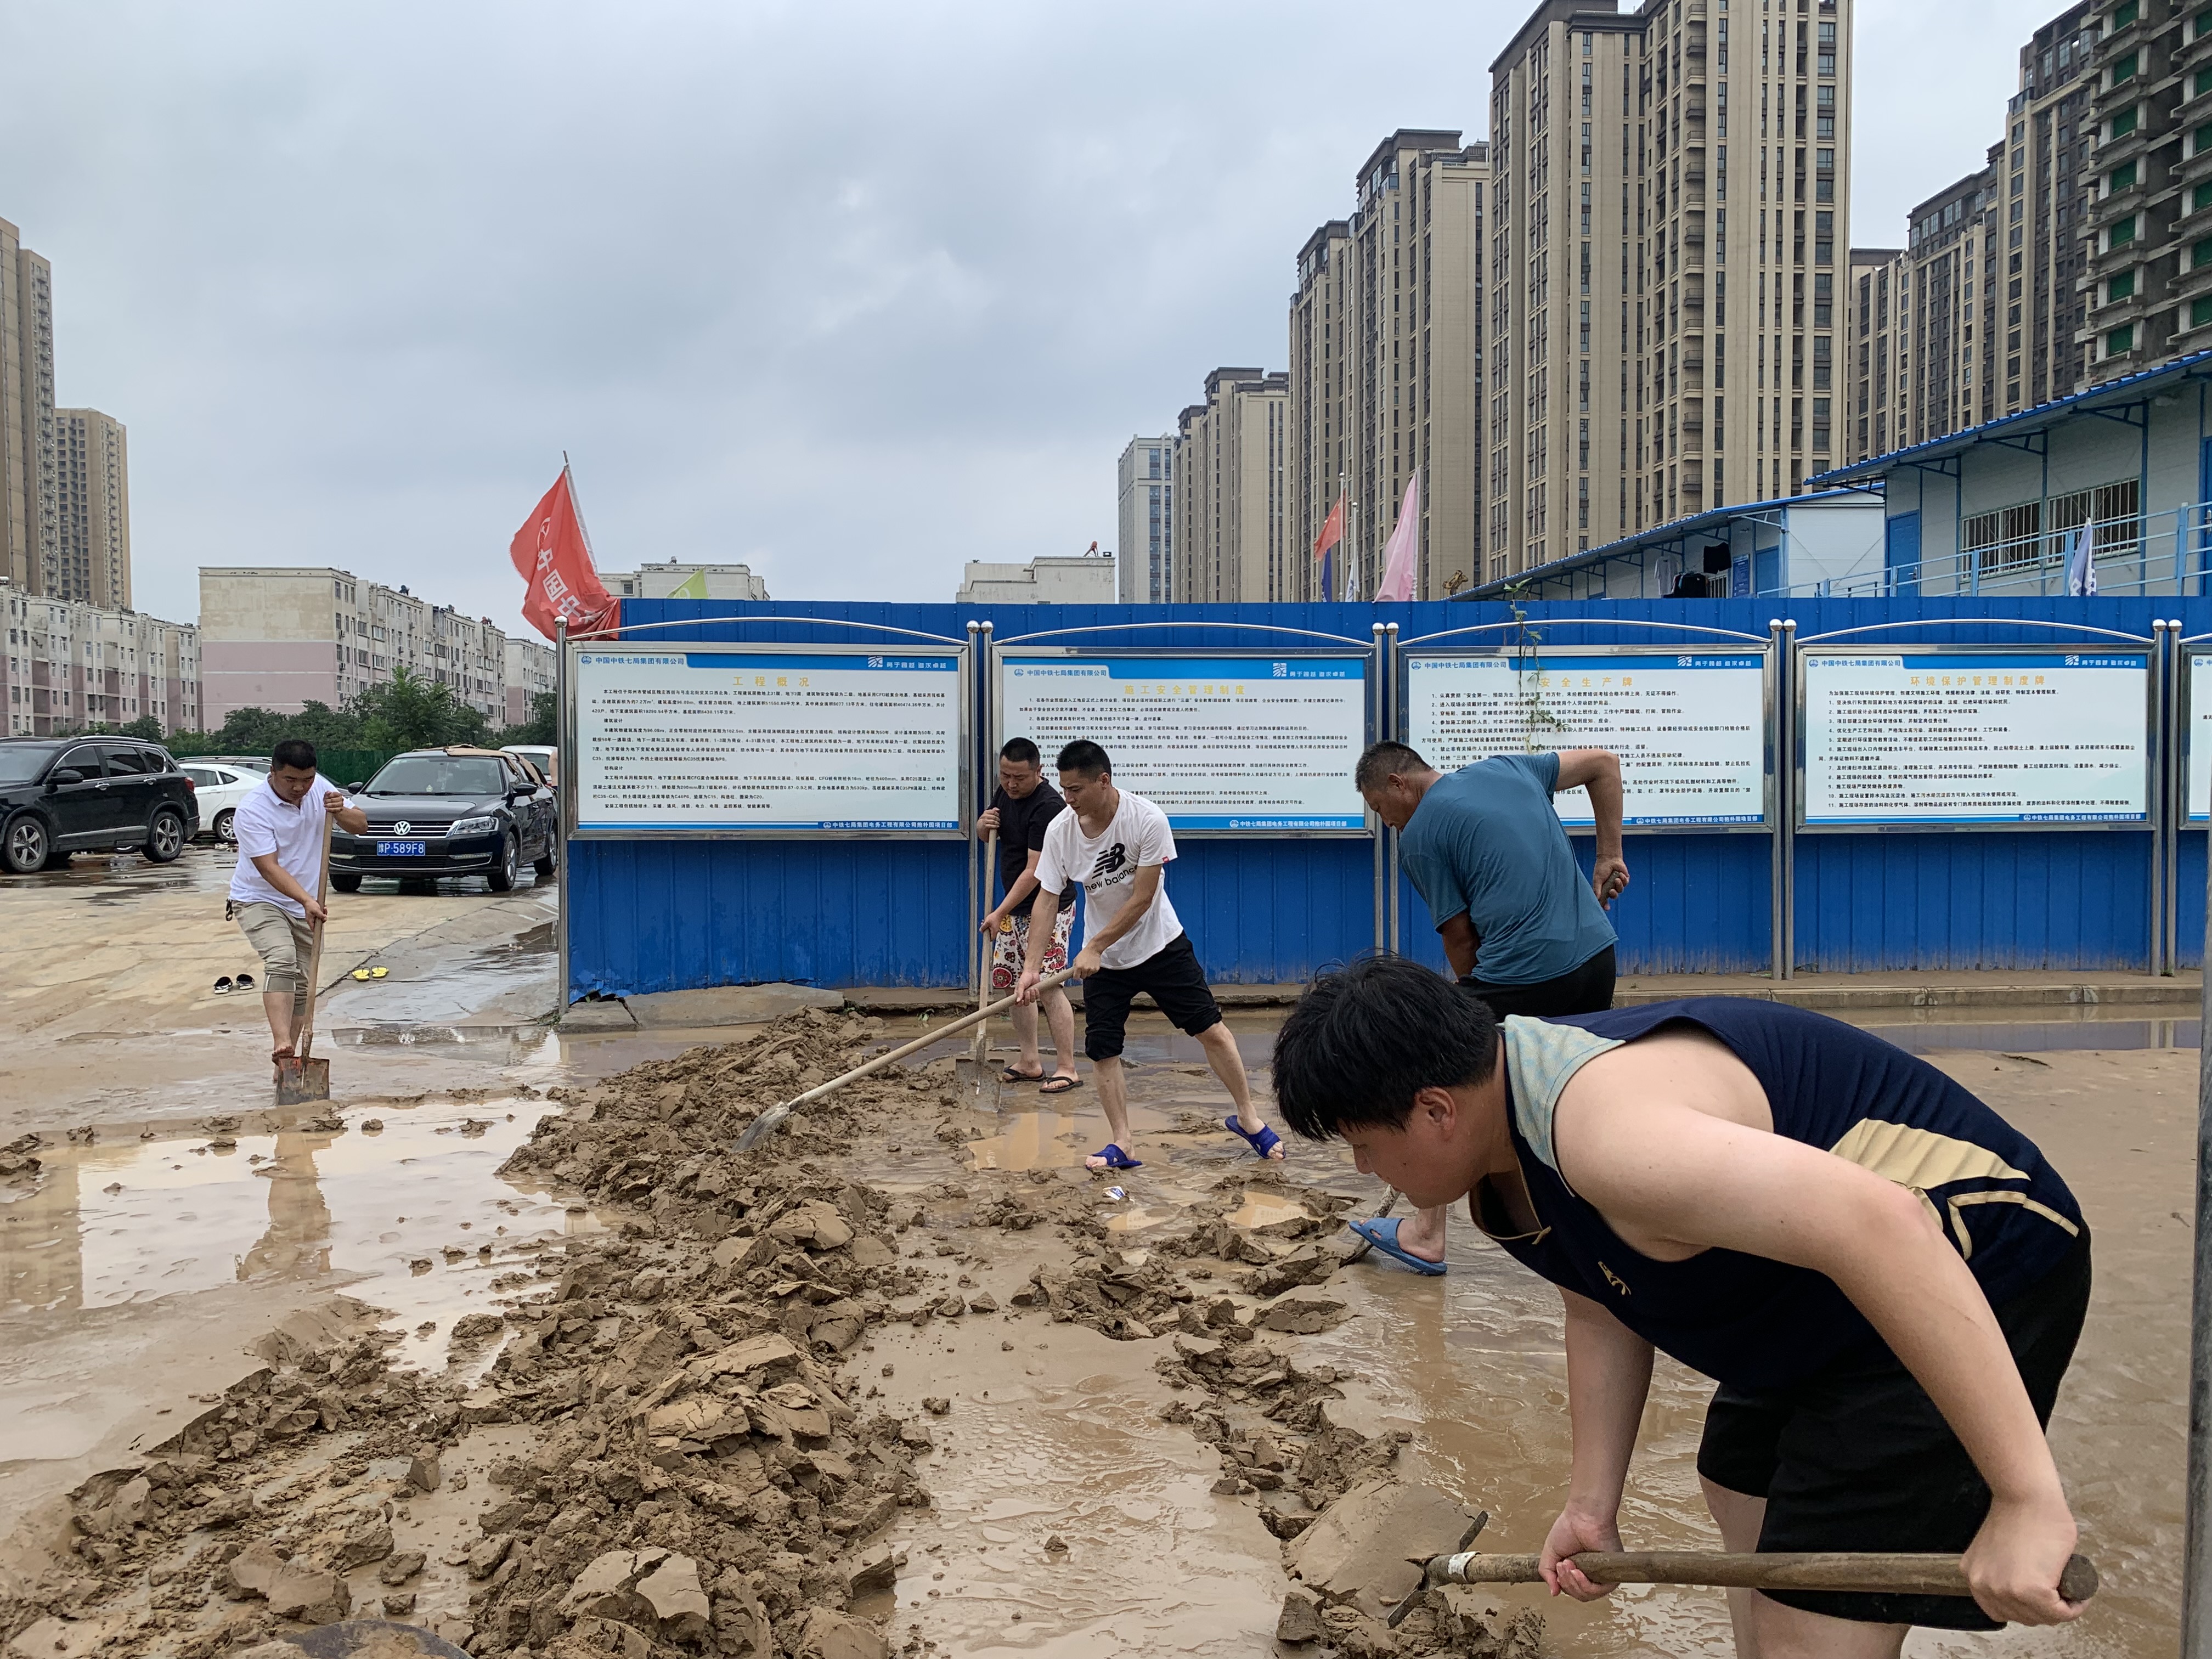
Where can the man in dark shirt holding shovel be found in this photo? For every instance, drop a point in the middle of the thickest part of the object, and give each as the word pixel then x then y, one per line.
pixel 1019 812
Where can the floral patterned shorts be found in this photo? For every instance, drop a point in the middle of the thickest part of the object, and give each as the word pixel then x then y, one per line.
pixel 1011 948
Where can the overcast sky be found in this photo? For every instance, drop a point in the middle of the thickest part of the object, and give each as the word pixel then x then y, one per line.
pixel 851 293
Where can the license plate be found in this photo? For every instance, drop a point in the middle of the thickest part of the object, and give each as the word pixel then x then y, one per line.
pixel 401 849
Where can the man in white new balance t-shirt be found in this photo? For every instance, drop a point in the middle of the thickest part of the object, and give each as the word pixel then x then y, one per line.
pixel 1118 845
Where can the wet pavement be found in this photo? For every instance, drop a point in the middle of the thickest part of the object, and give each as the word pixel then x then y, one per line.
pixel 136 1267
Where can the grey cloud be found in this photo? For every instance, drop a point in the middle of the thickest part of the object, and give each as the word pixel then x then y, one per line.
pixel 852 292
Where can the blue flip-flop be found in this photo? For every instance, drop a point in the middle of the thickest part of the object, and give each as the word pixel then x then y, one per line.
pixel 1383 1236
pixel 1117 1159
pixel 1263 1143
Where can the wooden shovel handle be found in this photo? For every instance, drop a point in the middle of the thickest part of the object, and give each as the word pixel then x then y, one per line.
pixel 306 1043
pixel 1868 1572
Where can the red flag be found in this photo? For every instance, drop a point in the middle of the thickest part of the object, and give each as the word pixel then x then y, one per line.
pixel 552 553
pixel 1331 532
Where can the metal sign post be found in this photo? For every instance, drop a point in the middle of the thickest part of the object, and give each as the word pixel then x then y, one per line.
pixel 2197 1546
pixel 564 784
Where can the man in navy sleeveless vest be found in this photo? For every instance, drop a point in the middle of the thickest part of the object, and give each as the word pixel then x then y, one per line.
pixel 1886 1279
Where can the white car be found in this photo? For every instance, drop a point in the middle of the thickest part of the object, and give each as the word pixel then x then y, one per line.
pixel 218 787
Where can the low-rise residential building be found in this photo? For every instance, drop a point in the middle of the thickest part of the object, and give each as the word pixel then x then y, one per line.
pixel 278 637
pixel 1085 579
pixel 673 581
pixel 70 665
pixel 530 668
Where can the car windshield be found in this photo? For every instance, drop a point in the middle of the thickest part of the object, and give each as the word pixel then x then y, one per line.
pixel 20 763
pixel 440 775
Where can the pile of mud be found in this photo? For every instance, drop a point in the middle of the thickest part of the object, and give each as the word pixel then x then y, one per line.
pixel 694 1467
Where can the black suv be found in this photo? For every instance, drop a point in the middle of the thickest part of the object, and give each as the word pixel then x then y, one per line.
pixel 437 813
pixel 64 795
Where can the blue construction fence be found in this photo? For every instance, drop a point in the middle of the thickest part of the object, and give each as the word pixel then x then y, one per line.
pixel 657 916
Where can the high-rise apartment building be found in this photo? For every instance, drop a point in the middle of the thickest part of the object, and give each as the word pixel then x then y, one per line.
pixel 1146 480
pixel 2046 170
pixel 2147 244
pixel 1386 377
pixel 1320 398
pixel 1927 353
pixel 277 638
pixel 91 558
pixel 28 522
pixel 1232 491
pixel 1980 315
pixel 1879 310
pixel 1620 142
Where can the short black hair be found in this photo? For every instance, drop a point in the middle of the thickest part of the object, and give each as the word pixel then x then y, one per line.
pixel 1363 1041
pixel 1021 752
pixel 1084 757
pixel 1380 760
pixel 294 754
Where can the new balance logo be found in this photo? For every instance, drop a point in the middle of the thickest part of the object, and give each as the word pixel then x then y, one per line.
pixel 1110 861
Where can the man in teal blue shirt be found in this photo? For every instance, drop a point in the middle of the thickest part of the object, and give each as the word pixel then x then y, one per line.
pixel 1520 926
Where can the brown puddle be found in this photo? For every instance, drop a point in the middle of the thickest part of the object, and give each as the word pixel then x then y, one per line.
pixel 108 1224
pixel 1061 1439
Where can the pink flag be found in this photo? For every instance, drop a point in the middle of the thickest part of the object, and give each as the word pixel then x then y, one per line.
pixel 1398 556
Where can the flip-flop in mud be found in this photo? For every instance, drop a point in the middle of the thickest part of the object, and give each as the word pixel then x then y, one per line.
pixel 1262 1144
pixel 1383 1236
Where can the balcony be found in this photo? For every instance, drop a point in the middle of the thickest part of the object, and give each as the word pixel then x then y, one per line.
pixel 2108 98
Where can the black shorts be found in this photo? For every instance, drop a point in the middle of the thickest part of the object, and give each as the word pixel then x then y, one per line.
pixel 1858 1458
pixel 1170 976
pixel 1584 990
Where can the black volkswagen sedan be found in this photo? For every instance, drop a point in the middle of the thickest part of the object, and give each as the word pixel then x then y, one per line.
pixel 437 813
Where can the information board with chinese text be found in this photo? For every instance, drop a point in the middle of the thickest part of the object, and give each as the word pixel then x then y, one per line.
pixel 1690 727
pixel 2012 736
pixel 781 741
pixel 1264 744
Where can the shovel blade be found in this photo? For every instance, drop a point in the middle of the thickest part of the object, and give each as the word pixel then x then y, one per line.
pixel 302 1081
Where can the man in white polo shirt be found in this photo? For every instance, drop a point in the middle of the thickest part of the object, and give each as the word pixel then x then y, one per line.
pixel 1118 846
pixel 280 830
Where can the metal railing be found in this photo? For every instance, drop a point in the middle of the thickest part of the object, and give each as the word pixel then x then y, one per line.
pixel 2164 554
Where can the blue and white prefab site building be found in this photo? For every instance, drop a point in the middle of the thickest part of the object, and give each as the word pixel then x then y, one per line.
pixel 2122 471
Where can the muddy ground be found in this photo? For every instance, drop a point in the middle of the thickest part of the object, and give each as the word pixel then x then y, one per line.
pixel 907 1379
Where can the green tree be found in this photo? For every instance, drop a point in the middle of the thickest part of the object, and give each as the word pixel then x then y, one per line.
pixel 410 711
pixel 540 727
pixel 145 726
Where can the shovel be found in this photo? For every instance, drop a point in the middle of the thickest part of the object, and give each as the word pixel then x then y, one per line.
pixel 1865 1572
pixel 301 1079
pixel 772 1119
pixel 372 1638
pixel 983 953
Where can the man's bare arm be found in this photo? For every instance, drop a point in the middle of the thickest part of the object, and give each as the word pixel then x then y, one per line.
pixel 1460 943
pixel 1608 1377
pixel 1646 1148
pixel 1024 884
pixel 1142 892
pixel 281 879
pixel 1598 771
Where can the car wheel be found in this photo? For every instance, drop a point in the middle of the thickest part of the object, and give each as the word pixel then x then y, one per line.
pixel 226 827
pixel 503 878
pixel 25 847
pixel 544 866
pixel 343 883
pixel 165 839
